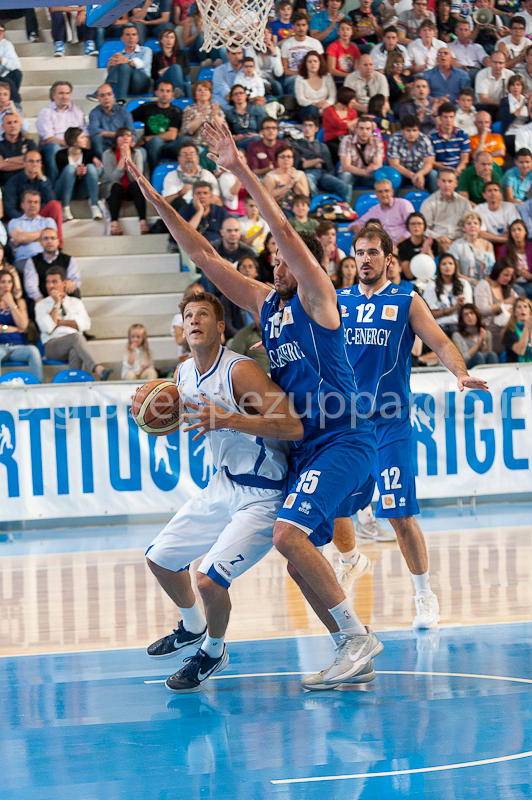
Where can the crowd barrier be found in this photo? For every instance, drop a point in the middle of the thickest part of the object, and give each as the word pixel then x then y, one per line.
pixel 71 451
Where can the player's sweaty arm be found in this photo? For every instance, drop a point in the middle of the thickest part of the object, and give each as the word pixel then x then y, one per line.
pixel 268 412
pixel 315 288
pixel 245 292
pixel 425 326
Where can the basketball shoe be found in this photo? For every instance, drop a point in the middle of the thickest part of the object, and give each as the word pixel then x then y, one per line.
pixel 427 611
pixel 373 531
pixel 348 573
pixel 196 670
pixel 314 683
pixel 169 646
pixel 353 653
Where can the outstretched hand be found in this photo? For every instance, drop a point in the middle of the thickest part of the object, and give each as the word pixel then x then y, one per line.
pixel 220 139
pixel 151 195
pixel 472 383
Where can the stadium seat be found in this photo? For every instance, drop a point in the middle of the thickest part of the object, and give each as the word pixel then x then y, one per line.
pixel 344 240
pixel 389 174
pixel 364 202
pixel 153 44
pixel 48 362
pixel 182 102
pixel 205 74
pixel 416 198
pixel 72 376
pixel 17 377
pixel 323 198
pixel 496 127
pixel 131 105
pixel 159 174
pixel 107 50
pixel 320 136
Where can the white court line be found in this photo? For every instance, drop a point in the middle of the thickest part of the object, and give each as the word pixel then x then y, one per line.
pixel 247 675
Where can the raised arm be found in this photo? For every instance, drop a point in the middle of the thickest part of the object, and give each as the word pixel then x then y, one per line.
pixel 245 292
pixel 315 288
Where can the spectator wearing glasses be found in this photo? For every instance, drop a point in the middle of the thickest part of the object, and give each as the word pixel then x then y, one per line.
pixel 444 80
pixel 10 67
pixel 32 178
pixel 409 22
pixel 514 46
pixel 285 181
pixel 366 82
pixel 361 153
pixel 13 147
pixel 261 153
pixel 491 84
pixel 243 118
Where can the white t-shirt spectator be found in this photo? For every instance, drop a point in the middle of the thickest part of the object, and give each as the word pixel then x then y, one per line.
pixel 418 53
pixel 173 183
pixel 72 308
pixel 248 227
pixel 498 222
pixel 295 51
pixel 494 88
pixel 254 86
pixel 446 300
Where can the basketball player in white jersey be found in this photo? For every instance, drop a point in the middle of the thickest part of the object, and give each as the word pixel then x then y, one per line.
pixel 249 421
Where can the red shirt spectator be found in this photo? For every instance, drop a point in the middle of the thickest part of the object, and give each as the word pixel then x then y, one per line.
pixel 334 125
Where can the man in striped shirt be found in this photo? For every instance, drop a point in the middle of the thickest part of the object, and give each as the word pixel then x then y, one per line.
pixel 451 144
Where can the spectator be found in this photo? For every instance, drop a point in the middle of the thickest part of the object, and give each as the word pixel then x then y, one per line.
pixel 243 118
pixel 178 184
pixel 316 162
pixel 447 293
pixel 444 80
pixel 339 120
pixel 444 210
pixel 237 318
pixel 419 241
pixel 294 49
pixel 394 275
pixel 51 256
pixel 388 46
pixel 62 320
pixel 491 83
pixel 151 18
pixel 261 153
pixel 494 297
pixel 514 111
pixel 474 178
pixel 301 222
pixel 527 15
pixel 116 182
pixel 361 153
pixel 496 214
pixel 13 326
pixel 518 253
pixel 79 170
pixel 25 231
pixel 409 22
pixel 253 229
pixel 285 180
pixel 129 70
pixel 411 153
pixel 269 65
pixel 466 113
pixel 138 361
pixel 396 82
pixel 472 339
pixel 380 114
pixel 332 254
pixel 445 23
pixel 467 55
pixel 267 259
pixel 388 13
pixel 282 27
pixel 345 275
pixel 202 110
pixel 170 63
pixel 161 122
pixel 324 24
pixel 193 40
pixel 485 140
pixel 224 77
pixel 52 122
pixel 517 333
pixel 7 105
pixel 106 119
pixel 112 31
pixel 423 106
pixel 4 264
pixel 78 18
pixel 244 340
pixel 451 145
pixel 315 89
pixel 392 212
pixel 13 147
pixel 368 25
pixel 366 82
pixel 10 66
pixel 525 70
pixel 32 177
pixel 422 51
pixel 32 29
pixel 232 190
pixel 342 54
pixel 513 46
pixel 474 253
pixel 203 214
pixel 251 81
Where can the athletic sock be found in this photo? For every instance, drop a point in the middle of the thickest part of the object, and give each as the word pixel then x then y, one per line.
pixel 351 556
pixel 193 619
pixel 365 515
pixel 336 637
pixel 346 619
pixel 422 583
pixel 213 647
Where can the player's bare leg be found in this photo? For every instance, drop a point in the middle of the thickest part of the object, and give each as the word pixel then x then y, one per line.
pixel 217 611
pixel 414 549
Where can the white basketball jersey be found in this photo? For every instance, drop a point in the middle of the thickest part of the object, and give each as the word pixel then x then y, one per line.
pixel 252 460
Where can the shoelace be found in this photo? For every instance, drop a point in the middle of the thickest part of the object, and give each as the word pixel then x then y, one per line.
pixel 192 667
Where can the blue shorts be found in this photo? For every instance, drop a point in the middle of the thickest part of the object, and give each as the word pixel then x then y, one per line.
pixel 357 500
pixel 322 472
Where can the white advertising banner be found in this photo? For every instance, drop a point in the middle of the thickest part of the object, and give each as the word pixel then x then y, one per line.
pixel 73 450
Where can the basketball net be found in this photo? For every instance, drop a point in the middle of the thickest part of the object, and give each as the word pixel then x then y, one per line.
pixel 234 23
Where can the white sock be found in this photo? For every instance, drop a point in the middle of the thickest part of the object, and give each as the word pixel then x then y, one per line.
pixel 422 583
pixel 351 556
pixel 213 647
pixel 336 637
pixel 346 619
pixel 365 515
pixel 193 619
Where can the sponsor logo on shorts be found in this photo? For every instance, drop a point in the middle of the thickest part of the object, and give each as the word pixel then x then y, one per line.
pixel 389 312
pixel 226 571
pixel 388 501
pixel 345 312
pixel 305 507
pixel 290 500
pixel 402 501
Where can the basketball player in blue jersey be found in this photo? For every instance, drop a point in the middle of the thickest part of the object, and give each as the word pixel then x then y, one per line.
pixel 249 422
pixel 304 337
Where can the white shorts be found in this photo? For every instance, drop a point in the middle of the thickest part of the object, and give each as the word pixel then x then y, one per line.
pixel 233 523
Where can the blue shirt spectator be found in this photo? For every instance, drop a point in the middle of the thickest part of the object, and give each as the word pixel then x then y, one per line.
pixel 441 86
pixel 107 117
pixel 33 223
pixel 319 23
pixel 15 188
pixel 203 215
pixel 449 148
pixel 520 185
pixel 224 77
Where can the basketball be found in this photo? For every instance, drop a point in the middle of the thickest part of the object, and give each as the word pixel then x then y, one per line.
pixel 156 408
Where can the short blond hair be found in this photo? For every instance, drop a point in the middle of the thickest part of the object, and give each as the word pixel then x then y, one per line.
pixel 470 215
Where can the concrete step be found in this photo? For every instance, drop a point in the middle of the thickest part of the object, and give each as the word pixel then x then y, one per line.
pixel 88 75
pixel 112 316
pixel 45 47
pixel 114 245
pixel 31 93
pixel 67 65
pixel 121 285
pixel 86 226
pixel 111 351
pixel 128 266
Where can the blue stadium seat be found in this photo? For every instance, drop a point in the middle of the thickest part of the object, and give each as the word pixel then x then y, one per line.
pixel 416 198
pixel 182 102
pixel 389 174
pixel 107 50
pixel 153 44
pixel 205 74
pixel 344 240
pixel 131 105
pixel 138 125
pixel 364 202
pixel 323 198
pixel 48 362
pixel 496 127
pixel 320 136
pixel 72 376
pixel 159 174
pixel 9 377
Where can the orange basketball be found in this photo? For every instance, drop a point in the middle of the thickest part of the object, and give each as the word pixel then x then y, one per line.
pixel 156 408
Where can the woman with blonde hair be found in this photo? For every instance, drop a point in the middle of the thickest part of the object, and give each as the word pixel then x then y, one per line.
pixel 138 360
pixel 475 255
pixel 517 333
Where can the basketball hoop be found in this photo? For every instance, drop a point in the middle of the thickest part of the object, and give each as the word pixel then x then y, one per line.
pixel 234 23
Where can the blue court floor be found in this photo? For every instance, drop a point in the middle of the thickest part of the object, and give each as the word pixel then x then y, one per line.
pixel 449 717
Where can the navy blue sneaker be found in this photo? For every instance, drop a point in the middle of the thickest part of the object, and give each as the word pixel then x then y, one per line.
pixel 196 670
pixel 171 645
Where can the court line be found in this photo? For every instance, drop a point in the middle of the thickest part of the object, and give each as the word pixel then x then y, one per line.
pixel 246 675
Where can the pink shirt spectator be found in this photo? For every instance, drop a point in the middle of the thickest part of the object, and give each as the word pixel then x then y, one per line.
pixel 393 218
pixel 53 122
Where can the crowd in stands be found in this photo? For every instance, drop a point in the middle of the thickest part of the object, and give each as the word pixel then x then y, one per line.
pixel 426 102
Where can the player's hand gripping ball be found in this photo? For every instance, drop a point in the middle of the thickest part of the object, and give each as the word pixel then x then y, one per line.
pixel 157 408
